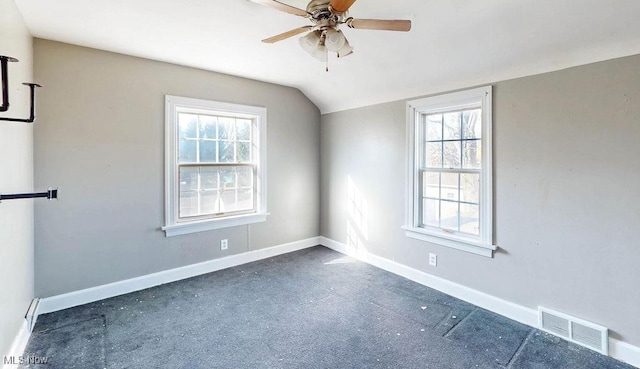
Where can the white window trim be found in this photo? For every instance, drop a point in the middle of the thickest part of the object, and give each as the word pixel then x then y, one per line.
pixel 172 226
pixel 482 245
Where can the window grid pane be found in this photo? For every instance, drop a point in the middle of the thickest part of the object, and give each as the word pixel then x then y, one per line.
pixel 214 139
pixel 450 174
pixel 213 189
pixel 472 124
pixel 450 200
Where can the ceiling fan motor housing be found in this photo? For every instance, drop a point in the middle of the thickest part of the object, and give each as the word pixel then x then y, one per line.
pixel 318 6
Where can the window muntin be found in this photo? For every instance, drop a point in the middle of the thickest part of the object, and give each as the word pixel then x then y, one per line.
pixel 449 183
pixel 450 170
pixel 215 165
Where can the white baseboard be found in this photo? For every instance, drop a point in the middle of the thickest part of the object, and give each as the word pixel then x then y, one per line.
pixel 68 300
pixel 32 313
pixel 623 351
pixel 617 349
pixel 18 346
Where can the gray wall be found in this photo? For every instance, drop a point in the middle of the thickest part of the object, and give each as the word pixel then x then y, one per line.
pixel 16 176
pixel 566 180
pixel 567 176
pixel 100 138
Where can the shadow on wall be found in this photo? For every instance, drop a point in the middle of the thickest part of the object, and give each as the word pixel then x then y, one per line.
pixel 357 229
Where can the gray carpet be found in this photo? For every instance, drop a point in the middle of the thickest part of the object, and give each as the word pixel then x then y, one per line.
pixel 310 309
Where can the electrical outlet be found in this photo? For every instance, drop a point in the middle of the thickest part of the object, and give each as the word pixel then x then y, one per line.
pixel 433 259
pixel 224 244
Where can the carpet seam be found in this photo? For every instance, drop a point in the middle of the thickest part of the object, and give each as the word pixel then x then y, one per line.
pixel 458 323
pixel 520 349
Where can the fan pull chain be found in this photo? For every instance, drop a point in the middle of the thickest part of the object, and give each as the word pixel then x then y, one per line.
pixel 326 61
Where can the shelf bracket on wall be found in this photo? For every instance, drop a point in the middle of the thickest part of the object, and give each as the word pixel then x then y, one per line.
pixel 50 194
pixel 4 61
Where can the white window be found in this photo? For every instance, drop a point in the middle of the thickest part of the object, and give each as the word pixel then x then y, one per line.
pixel 215 157
pixel 449 186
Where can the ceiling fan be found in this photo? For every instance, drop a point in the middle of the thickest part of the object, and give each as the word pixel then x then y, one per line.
pixel 324 35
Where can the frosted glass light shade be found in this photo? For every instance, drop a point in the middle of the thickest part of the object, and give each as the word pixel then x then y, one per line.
pixel 345 50
pixel 334 40
pixel 310 42
pixel 320 53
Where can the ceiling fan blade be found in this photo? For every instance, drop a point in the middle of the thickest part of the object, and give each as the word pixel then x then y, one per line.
pixel 341 6
pixel 282 7
pixel 380 24
pixel 286 35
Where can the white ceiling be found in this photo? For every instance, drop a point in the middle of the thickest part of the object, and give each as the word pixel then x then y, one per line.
pixel 453 43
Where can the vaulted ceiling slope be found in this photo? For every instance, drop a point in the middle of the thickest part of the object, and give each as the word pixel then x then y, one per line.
pixel 452 44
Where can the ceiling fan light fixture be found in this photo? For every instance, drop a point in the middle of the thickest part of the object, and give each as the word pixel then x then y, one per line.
pixel 310 42
pixel 334 40
pixel 320 53
pixel 324 35
pixel 345 50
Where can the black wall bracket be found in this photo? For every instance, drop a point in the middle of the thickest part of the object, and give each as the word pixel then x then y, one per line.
pixel 4 61
pixel 50 194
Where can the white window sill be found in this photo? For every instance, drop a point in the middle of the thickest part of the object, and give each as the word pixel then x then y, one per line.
pixel 211 224
pixel 450 241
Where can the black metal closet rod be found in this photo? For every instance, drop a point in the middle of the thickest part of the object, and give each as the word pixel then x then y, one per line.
pixel 4 60
pixel 50 194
